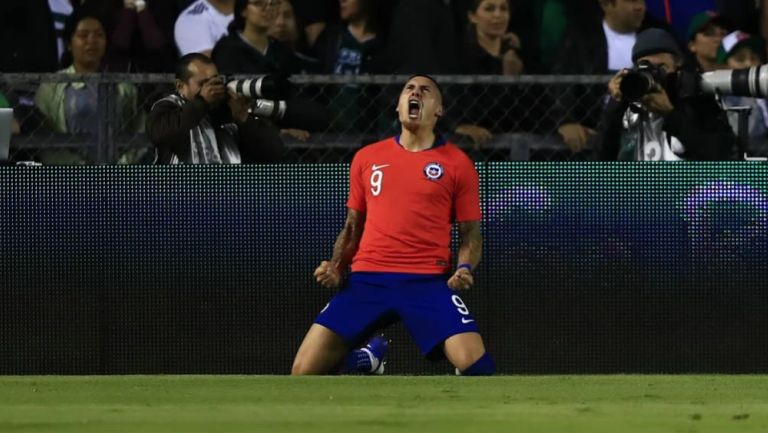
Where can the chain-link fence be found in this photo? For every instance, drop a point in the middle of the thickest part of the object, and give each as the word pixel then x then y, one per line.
pixel 98 119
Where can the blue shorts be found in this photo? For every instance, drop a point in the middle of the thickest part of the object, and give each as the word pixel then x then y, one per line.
pixel 429 309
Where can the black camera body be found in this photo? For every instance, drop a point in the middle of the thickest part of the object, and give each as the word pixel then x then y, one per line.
pixel 642 80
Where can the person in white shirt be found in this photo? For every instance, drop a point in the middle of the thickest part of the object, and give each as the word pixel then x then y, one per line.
pixel 202 24
pixel 596 51
pixel 619 47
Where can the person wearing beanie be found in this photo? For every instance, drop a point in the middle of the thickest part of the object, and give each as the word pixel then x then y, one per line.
pixel 740 50
pixel 663 125
pixel 655 41
pixel 595 47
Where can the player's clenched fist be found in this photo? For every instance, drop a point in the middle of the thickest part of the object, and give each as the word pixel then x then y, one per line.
pixel 327 275
pixel 461 280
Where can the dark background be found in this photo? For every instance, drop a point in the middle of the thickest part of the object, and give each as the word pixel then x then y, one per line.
pixel 588 268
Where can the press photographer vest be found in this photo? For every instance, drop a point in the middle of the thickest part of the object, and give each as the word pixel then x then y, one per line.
pixel 654 143
pixel 208 145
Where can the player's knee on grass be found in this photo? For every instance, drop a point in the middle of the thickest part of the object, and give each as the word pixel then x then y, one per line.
pixel 463 360
pixel 312 364
pixel 300 368
pixel 319 353
pixel 464 350
pixel 485 366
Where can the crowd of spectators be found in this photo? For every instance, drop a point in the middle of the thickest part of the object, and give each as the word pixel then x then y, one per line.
pixel 433 36
pixel 473 37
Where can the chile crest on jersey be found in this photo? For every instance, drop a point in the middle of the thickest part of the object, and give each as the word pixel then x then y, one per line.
pixel 433 171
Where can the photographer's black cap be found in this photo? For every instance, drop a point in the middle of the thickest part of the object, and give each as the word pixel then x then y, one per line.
pixel 655 41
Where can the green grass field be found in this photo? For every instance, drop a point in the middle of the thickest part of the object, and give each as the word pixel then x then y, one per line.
pixel 384 404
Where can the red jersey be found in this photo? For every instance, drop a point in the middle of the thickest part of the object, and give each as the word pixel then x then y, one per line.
pixel 411 200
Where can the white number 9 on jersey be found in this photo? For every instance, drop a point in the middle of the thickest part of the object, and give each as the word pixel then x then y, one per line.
pixel 377 177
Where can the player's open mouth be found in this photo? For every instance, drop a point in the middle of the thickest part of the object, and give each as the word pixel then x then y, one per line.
pixel 414 108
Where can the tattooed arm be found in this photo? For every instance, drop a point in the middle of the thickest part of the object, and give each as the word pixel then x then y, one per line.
pixel 470 250
pixel 328 274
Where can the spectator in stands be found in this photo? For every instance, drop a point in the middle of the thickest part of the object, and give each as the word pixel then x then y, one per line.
pixel 705 33
pixel 73 107
pixel 740 50
pixel 488 49
pixel 201 124
pixel 353 47
pixel 202 24
pixel 284 28
pixel 663 125
pixel 350 47
pixel 599 49
pixel 605 46
pixel 742 14
pixel 142 36
pixel 101 9
pixel 248 49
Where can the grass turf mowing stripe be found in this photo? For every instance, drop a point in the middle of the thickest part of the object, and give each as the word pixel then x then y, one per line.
pixel 384 404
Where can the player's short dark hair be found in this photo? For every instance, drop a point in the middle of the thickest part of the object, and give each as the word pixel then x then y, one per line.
pixel 182 67
pixel 430 78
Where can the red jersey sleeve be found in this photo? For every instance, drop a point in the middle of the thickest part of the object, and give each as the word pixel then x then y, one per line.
pixel 467 197
pixel 356 198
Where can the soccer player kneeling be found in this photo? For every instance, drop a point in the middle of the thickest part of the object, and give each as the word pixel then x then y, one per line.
pixel 405 194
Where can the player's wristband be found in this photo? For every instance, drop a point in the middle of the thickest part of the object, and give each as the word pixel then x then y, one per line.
pixel 466 266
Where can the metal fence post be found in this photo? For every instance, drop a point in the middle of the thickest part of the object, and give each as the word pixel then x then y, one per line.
pixel 105 147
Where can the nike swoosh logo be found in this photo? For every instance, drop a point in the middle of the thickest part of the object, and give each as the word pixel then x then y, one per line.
pixel 464 320
pixel 379 167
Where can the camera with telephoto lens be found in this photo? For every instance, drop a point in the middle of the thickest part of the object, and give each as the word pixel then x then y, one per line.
pixel 264 86
pixel 271 99
pixel 750 82
pixel 646 77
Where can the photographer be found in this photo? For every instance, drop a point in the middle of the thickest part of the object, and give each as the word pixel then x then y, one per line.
pixel 672 121
pixel 204 124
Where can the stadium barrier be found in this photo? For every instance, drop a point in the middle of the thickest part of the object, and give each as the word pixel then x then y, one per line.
pixel 587 268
